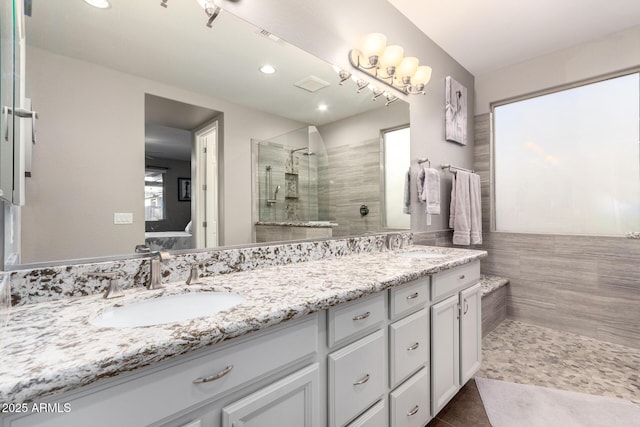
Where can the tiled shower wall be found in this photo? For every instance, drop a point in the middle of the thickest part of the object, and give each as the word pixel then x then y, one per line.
pixel 581 284
pixel 302 208
pixel 354 171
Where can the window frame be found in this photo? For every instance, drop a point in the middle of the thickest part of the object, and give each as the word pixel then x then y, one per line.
pixel 530 95
pixel 163 173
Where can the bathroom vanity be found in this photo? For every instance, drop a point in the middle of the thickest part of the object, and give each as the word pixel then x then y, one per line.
pixel 371 339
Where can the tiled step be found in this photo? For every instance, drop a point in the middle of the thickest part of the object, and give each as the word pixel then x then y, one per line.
pixel 494 301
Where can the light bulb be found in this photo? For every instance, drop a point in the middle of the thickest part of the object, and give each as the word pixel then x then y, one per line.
pixel 372 47
pixel 421 76
pixel 392 56
pixel 407 68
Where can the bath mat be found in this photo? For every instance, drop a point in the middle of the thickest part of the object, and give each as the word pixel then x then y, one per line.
pixel 522 405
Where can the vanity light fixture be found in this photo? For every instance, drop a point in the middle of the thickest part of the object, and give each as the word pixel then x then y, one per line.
pixel 100 4
pixel 362 84
pixel 211 9
pixel 389 65
pixel 267 69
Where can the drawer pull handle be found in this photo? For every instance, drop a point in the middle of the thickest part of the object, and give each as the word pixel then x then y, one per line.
pixel 461 277
pixel 362 316
pixel 413 411
pixel 214 377
pixel 413 347
pixel 362 380
pixel 413 296
pixel 466 306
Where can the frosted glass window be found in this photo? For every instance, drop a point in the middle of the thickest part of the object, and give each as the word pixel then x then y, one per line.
pixel 154 206
pixel 569 162
pixel 396 164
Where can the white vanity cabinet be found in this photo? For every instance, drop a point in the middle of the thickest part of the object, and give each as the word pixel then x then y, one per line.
pixel 290 402
pixel 456 347
pixel 392 359
pixel 173 390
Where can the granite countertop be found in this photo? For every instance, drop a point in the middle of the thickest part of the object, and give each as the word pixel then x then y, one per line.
pixel 51 347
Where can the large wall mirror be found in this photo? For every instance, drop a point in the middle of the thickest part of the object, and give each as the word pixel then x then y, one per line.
pixel 146 122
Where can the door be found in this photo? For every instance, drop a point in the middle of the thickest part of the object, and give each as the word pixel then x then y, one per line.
pixel 470 332
pixel 290 402
pixel 445 352
pixel 205 205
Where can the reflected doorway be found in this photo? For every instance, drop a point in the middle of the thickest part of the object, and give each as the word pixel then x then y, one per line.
pixel 396 146
pixel 181 175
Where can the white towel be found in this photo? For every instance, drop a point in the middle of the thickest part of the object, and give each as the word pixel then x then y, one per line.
pixel 429 189
pixel 475 197
pixel 406 207
pixel 466 214
pixel 452 207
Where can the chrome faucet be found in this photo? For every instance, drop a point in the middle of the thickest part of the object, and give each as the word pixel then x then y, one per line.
pixel 113 290
pixel 155 264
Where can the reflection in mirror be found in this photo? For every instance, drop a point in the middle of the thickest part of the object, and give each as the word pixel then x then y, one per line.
pixel 86 196
pixel 396 176
pixel 174 136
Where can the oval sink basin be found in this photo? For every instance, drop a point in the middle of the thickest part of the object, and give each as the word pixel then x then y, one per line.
pixel 420 255
pixel 167 309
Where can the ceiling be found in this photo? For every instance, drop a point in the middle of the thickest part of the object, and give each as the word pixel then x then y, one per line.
pixel 484 36
pixel 173 45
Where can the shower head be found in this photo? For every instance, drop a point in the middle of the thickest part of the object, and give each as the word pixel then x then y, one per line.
pixel 306 153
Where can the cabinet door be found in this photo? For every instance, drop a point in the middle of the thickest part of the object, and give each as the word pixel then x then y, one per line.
pixel 290 402
pixel 376 416
pixel 445 352
pixel 410 402
pixel 356 378
pixel 470 332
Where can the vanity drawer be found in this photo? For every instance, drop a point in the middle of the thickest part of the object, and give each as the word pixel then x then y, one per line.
pixel 409 403
pixel 450 281
pixel 349 321
pixel 376 416
pixel 356 378
pixel 408 346
pixel 151 396
pixel 409 297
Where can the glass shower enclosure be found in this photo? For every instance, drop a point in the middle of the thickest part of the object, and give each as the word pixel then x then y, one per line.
pixel 292 177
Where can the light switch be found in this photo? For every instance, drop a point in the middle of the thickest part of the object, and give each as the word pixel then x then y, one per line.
pixel 428 219
pixel 123 218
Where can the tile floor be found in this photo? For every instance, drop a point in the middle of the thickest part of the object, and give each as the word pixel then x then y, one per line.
pixel 527 354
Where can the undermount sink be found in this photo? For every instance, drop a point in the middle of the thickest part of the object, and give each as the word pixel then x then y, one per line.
pixel 167 309
pixel 420 255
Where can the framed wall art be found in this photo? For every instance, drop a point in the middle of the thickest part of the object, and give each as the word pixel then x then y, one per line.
pixel 456 111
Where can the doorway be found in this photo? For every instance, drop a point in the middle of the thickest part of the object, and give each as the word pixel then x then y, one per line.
pixel 181 155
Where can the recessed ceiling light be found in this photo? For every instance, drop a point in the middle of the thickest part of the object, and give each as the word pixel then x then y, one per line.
pixel 267 69
pixel 100 4
pixel 322 107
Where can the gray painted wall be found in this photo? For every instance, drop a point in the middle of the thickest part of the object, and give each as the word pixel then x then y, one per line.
pixel 615 52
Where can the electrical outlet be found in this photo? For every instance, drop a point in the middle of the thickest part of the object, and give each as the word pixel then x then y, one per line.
pixel 123 218
pixel 428 219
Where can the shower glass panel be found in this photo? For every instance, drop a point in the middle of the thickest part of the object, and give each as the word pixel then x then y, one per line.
pixel 292 176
